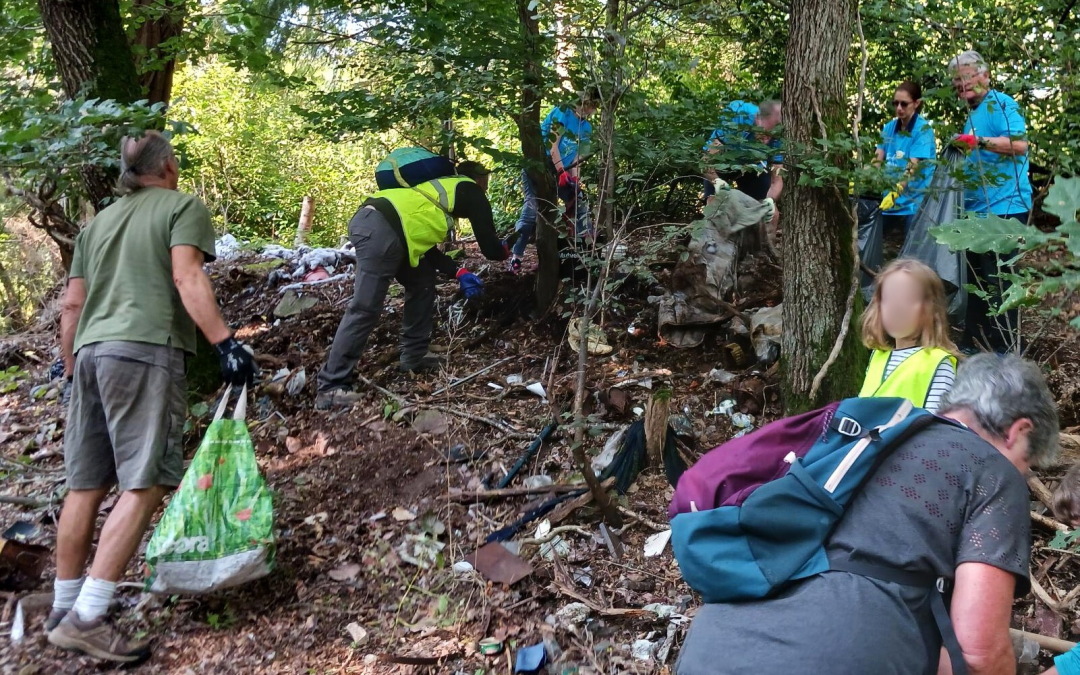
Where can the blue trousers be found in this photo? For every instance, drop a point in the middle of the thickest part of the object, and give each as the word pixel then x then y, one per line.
pixel 526 223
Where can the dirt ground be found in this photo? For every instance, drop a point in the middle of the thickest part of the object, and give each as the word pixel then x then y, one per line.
pixel 370 515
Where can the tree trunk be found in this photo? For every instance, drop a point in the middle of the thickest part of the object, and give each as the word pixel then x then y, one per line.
pixel 611 67
pixel 94 59
pixel 532 148
pixel 154 45
pixel 818 253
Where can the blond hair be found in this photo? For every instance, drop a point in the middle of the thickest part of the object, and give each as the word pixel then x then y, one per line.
pixel 146 156
pixel 934 321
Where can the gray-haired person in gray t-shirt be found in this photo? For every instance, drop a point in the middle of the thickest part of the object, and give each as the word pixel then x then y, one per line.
pixel 950 502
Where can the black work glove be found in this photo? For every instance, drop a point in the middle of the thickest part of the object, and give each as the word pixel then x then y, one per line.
pixel 237 364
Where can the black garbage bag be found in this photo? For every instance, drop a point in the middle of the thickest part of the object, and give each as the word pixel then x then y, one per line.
pixel 870 237
pixel 944 203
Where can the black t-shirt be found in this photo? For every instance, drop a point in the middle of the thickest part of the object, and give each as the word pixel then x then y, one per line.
pixel 945 497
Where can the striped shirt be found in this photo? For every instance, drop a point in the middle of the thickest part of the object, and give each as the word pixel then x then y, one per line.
pixel 943 380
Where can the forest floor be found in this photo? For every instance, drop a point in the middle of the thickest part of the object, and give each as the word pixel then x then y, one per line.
pixel 371 517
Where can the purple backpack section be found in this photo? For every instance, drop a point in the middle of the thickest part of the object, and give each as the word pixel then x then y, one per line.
pixel 729 473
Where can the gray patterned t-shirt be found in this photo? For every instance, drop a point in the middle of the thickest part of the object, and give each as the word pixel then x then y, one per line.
pixel 946 497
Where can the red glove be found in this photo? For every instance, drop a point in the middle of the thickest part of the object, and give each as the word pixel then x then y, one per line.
pixel 566 180
pixel 969 140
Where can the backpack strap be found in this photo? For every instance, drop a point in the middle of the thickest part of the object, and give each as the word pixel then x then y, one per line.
pixel 934 585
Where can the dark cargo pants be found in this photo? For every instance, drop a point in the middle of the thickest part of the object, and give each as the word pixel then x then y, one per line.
pixel 381 256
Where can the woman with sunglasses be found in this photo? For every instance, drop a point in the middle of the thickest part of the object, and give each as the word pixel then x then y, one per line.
pixel 906 141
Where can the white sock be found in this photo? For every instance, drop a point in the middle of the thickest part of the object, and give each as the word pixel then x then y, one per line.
pixel 65 591
pixel 94 598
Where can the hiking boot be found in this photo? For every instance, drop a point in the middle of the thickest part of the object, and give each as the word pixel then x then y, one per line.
pixel 515 265
pixel 97 639
pixel 428 363
pixel 337 398
pixel 54 619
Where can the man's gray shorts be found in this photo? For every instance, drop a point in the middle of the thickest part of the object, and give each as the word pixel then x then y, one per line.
pixel 126 419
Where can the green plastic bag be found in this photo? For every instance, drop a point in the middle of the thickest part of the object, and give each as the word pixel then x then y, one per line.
pixel 218 530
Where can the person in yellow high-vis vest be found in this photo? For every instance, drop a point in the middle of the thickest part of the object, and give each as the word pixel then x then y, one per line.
pixel 396 233
pixel 907 328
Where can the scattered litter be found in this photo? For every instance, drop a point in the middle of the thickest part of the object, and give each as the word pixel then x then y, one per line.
pixel 682 426
pixel 296 382
pixel 357 633
pixel 556 545
pixel 401 514
pixel 722 376
pixel 491 646
pixel 18 624
pixel 639 411
pixel 607 455
pixel 665 648
pixel 495 563
pixel 346 572
pixel 656 543
pixel 292 304
pixel 497 387
pixel 726 407
pixel 742 421
pixel 573 614
pixel 530 659
pixel 538 389
pixel 378 516
pixel 612 541
pixel 596 342
pixel 423 550
pixel 537 482
pixel 643 650
pixel 462 567
pixel 766 326
pixel 665 612
pixel 583 576
pixel 514 379
pixel 227 247
pixel 317 274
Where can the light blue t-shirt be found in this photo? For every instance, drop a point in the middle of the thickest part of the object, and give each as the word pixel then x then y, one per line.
pixel 996 183
pixel 735 131
pixel 574 132
pixel 900 146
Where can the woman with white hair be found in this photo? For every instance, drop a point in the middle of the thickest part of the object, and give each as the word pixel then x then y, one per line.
pixel 996 181
pixel 949 502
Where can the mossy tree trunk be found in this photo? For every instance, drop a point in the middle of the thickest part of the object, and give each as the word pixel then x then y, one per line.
pixel 818 255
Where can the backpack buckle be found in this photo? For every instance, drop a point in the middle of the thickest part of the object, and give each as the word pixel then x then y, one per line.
pixel 849 427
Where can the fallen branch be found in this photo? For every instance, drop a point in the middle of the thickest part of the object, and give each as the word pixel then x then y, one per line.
pixel 1046 521
pixel 1048 643
pixel 472 376
pixel 385 392
pixel 1044 596
pixel 507 430
pixel 553 533
pixel 564 510
pixel 643 520
pixel 1041 492
pixel 483 495
pixel 32 502
pixel 602 611
pixel 321 282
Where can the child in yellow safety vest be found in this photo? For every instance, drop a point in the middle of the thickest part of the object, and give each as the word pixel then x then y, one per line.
pixel 907 328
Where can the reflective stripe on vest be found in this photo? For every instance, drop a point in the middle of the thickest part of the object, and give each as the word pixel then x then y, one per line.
pixel 424 212
pixel 911 379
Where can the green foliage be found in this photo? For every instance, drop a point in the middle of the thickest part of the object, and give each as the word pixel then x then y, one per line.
pixel 1031 285
pixel 11 378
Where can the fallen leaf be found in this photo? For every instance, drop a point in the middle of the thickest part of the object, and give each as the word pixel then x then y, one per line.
pixel 356 632
pixel 497 564
pixel 401 514
pixel 293 444
pixel 345 572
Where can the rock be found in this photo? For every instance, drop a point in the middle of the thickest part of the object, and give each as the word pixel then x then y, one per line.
pixel 573 614
pixel 430 422
pixel 358 634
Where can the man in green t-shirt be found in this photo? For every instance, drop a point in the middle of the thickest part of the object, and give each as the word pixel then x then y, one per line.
pixel 135 294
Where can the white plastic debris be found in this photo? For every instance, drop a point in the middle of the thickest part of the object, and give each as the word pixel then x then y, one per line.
pixel 538 389
pixel 514 379
pixel 462 567
pixel 643 650
pixel 722 376
pixel 556 545
pixel 656 544
pixel 227 247
pixel 725 408
pixel 538 481
pixel 18 624
pixel 607 455
pixel 742 421
pixel 297 382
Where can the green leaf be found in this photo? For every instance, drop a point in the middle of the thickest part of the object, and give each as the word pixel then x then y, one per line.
pixel 1065 540
pixel 985 234
pixel 1063 199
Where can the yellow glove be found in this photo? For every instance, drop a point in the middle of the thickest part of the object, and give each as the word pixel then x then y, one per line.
pixel 890 199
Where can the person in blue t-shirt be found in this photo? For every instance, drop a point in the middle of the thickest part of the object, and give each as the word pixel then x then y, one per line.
pixel 567 133
pixel 907 150
pixel 742 123
pixel 996 177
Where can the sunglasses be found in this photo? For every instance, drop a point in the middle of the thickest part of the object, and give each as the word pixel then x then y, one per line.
pixel 902 104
